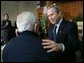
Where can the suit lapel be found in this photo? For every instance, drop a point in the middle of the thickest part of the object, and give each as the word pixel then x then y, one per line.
pixel 60 30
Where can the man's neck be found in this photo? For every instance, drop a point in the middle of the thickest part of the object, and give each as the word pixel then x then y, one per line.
pixel 58 20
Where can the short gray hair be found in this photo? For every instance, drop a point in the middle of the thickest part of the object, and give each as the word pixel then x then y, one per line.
pixel 25 21
pixel 55 8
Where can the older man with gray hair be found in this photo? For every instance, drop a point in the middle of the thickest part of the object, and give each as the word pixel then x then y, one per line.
pixel 25 21
pixel 27 46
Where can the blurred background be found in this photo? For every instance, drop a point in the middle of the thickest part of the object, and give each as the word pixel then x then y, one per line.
pixel 71 10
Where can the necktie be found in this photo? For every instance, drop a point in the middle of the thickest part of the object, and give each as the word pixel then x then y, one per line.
pixel 54 33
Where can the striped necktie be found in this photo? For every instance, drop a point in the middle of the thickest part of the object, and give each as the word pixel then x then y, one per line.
pixel 54 33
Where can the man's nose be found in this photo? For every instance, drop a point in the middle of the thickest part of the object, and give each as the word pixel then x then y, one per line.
pixel 50 18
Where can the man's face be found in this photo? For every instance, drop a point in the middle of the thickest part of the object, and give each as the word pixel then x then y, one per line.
pixel 52 16
pixel 6 17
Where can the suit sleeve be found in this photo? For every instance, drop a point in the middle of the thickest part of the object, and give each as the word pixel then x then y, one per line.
pixel 3 26
pixel 72 38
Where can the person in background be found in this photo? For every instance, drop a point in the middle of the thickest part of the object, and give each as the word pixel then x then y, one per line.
pixel 26 47
pixel 63 36
pixel 15 30
pixel 6 28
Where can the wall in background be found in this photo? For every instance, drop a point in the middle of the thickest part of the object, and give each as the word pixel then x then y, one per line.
pixel 13 8
pixel 10 7
pixel 71 9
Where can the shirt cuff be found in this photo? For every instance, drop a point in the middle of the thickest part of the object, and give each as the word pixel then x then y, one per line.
pixel 63 47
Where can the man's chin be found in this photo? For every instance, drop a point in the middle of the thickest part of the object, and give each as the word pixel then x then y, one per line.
pixel 53 22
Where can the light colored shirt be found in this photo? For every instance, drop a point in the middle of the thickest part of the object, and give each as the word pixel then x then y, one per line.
pixel 58 24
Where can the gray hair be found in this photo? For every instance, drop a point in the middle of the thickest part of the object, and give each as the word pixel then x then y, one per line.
pixel 25 21
pixel 55 8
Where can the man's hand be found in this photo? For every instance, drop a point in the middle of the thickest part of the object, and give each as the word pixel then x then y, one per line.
pixel 51 46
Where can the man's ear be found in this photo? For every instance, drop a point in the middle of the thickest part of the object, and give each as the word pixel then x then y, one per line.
pixel 59 14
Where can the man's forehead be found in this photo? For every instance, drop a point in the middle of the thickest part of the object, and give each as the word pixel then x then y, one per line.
pixel 51 10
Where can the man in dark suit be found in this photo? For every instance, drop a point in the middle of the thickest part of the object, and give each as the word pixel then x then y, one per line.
pixel 6 28
pixel 63 36
pixel 26 47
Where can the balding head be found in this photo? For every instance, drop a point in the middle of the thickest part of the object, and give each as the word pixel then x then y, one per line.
pixel 25 21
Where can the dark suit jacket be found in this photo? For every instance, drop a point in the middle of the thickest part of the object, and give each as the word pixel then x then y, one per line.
pixel 68 35
pixel 6 30
pixel 26 47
